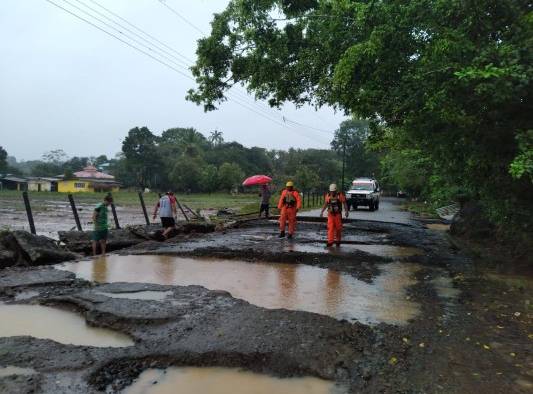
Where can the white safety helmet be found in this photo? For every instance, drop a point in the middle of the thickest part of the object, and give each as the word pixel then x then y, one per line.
pixel 333 187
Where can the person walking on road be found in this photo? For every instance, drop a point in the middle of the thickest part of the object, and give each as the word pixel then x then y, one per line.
pixel 289 204
pixel 266 193
pixel 334 202
pixel 167 213
pixel 101 227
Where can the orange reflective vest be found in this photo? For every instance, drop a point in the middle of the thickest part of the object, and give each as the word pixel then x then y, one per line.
pixel 290 199
pixel 335 203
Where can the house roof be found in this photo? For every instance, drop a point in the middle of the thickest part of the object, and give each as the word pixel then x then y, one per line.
pixel 40 178
pixel 91 172
pixel 14 179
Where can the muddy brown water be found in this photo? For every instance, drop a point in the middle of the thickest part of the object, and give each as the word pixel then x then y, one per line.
pixel 224 381
pixel 56 324
pixel 139 295
pixel 438 226
pixel 270 285
pixel 378 250
pixel 10 370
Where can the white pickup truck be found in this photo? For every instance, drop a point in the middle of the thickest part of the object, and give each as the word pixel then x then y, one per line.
pixel 363 192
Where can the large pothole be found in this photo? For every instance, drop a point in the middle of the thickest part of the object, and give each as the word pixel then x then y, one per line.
pixel 270 285
pixel 224 381
pixel 56 324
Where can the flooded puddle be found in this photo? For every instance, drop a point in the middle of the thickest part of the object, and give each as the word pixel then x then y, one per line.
pixel 25 295
pixel 438 226
pixel 139 295
pixel 10 370
pixel 378 250
pixel 270 285
pixel 444 287
pixel 224 381
pixel 56 324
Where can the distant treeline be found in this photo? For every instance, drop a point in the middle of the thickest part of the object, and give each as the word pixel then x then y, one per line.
pixel 185 160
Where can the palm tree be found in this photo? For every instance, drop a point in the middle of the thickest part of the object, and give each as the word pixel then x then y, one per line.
pixel 216 138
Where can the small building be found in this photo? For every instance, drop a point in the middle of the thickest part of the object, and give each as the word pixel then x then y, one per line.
pixel 10 182
pixel 88 180
pixel 39 184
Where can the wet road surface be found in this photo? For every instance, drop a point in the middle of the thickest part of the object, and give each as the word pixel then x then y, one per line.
pixel 389 211
pixel 468 333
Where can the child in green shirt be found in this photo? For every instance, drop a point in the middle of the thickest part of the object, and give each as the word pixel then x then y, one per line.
pixel 100 225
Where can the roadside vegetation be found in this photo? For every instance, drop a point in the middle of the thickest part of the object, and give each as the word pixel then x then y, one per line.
pixel 446 86
pixel 439 93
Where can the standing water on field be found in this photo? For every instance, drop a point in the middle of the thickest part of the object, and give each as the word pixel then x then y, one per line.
pixel 270 285
pixel 224 381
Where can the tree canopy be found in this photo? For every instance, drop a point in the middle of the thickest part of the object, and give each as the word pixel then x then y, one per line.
pixel 448 79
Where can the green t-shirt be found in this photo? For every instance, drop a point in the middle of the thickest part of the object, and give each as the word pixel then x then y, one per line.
pixel 101 217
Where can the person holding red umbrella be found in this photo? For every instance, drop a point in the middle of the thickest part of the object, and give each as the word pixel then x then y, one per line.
pixel 266 192
pixel 289 204
pixel 265 195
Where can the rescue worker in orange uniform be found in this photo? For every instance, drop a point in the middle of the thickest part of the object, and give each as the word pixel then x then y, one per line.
pixel 334 202
pixel 289 204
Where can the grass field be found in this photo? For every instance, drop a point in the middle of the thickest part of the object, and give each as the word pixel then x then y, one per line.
pixel 40 200
pixel 244 202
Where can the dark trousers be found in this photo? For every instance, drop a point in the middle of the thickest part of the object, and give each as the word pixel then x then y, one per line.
pixel 264 208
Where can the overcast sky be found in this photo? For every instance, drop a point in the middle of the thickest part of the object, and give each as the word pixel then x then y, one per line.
pixel 65 84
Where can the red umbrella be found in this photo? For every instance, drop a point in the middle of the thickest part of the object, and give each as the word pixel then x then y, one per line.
pixel 257 180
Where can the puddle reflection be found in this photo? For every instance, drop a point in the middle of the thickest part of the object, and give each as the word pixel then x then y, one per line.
pixel 10 370
pixel 224 381
pixel 270 285
pixel 378 250
pixel 58 325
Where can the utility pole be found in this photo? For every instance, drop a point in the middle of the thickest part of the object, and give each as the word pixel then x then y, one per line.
pixel 343 164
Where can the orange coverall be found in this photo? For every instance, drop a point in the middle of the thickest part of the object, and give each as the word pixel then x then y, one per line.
pixel 335 218
pixel 289 203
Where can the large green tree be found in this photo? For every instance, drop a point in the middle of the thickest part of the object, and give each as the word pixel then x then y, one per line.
pixel 451 79
pixel 3 160
pixel 141 157
pixel 351 141
pixel 230 176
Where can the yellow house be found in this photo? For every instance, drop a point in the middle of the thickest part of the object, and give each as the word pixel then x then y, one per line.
pixel 88 180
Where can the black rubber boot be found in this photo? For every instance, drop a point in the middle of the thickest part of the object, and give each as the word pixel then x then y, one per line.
pixel 282 234
pixel 290 236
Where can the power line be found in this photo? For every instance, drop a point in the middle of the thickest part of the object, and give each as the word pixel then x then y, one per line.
pixel 142 31
pixel 311 127
pixel 168 58
pixel 120 39
pixel 127 29
pixel 163 2
pixel 173 59
pixel 178 62
pixel 170 66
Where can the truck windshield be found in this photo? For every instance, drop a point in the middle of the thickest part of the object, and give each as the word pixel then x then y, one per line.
pixel 362 186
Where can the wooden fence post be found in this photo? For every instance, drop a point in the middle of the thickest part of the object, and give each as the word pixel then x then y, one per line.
pixel 28 212
pixel 74 211
pixel 144 209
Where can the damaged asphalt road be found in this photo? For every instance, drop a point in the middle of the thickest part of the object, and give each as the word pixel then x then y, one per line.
pixel 452 345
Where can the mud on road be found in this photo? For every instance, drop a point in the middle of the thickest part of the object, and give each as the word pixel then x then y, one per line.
pixel 467 333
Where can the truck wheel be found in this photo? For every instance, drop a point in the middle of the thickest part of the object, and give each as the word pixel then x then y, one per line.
pixel 377 205
pixel 371 206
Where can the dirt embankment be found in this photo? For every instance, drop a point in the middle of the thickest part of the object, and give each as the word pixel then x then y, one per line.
pixel 508 248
